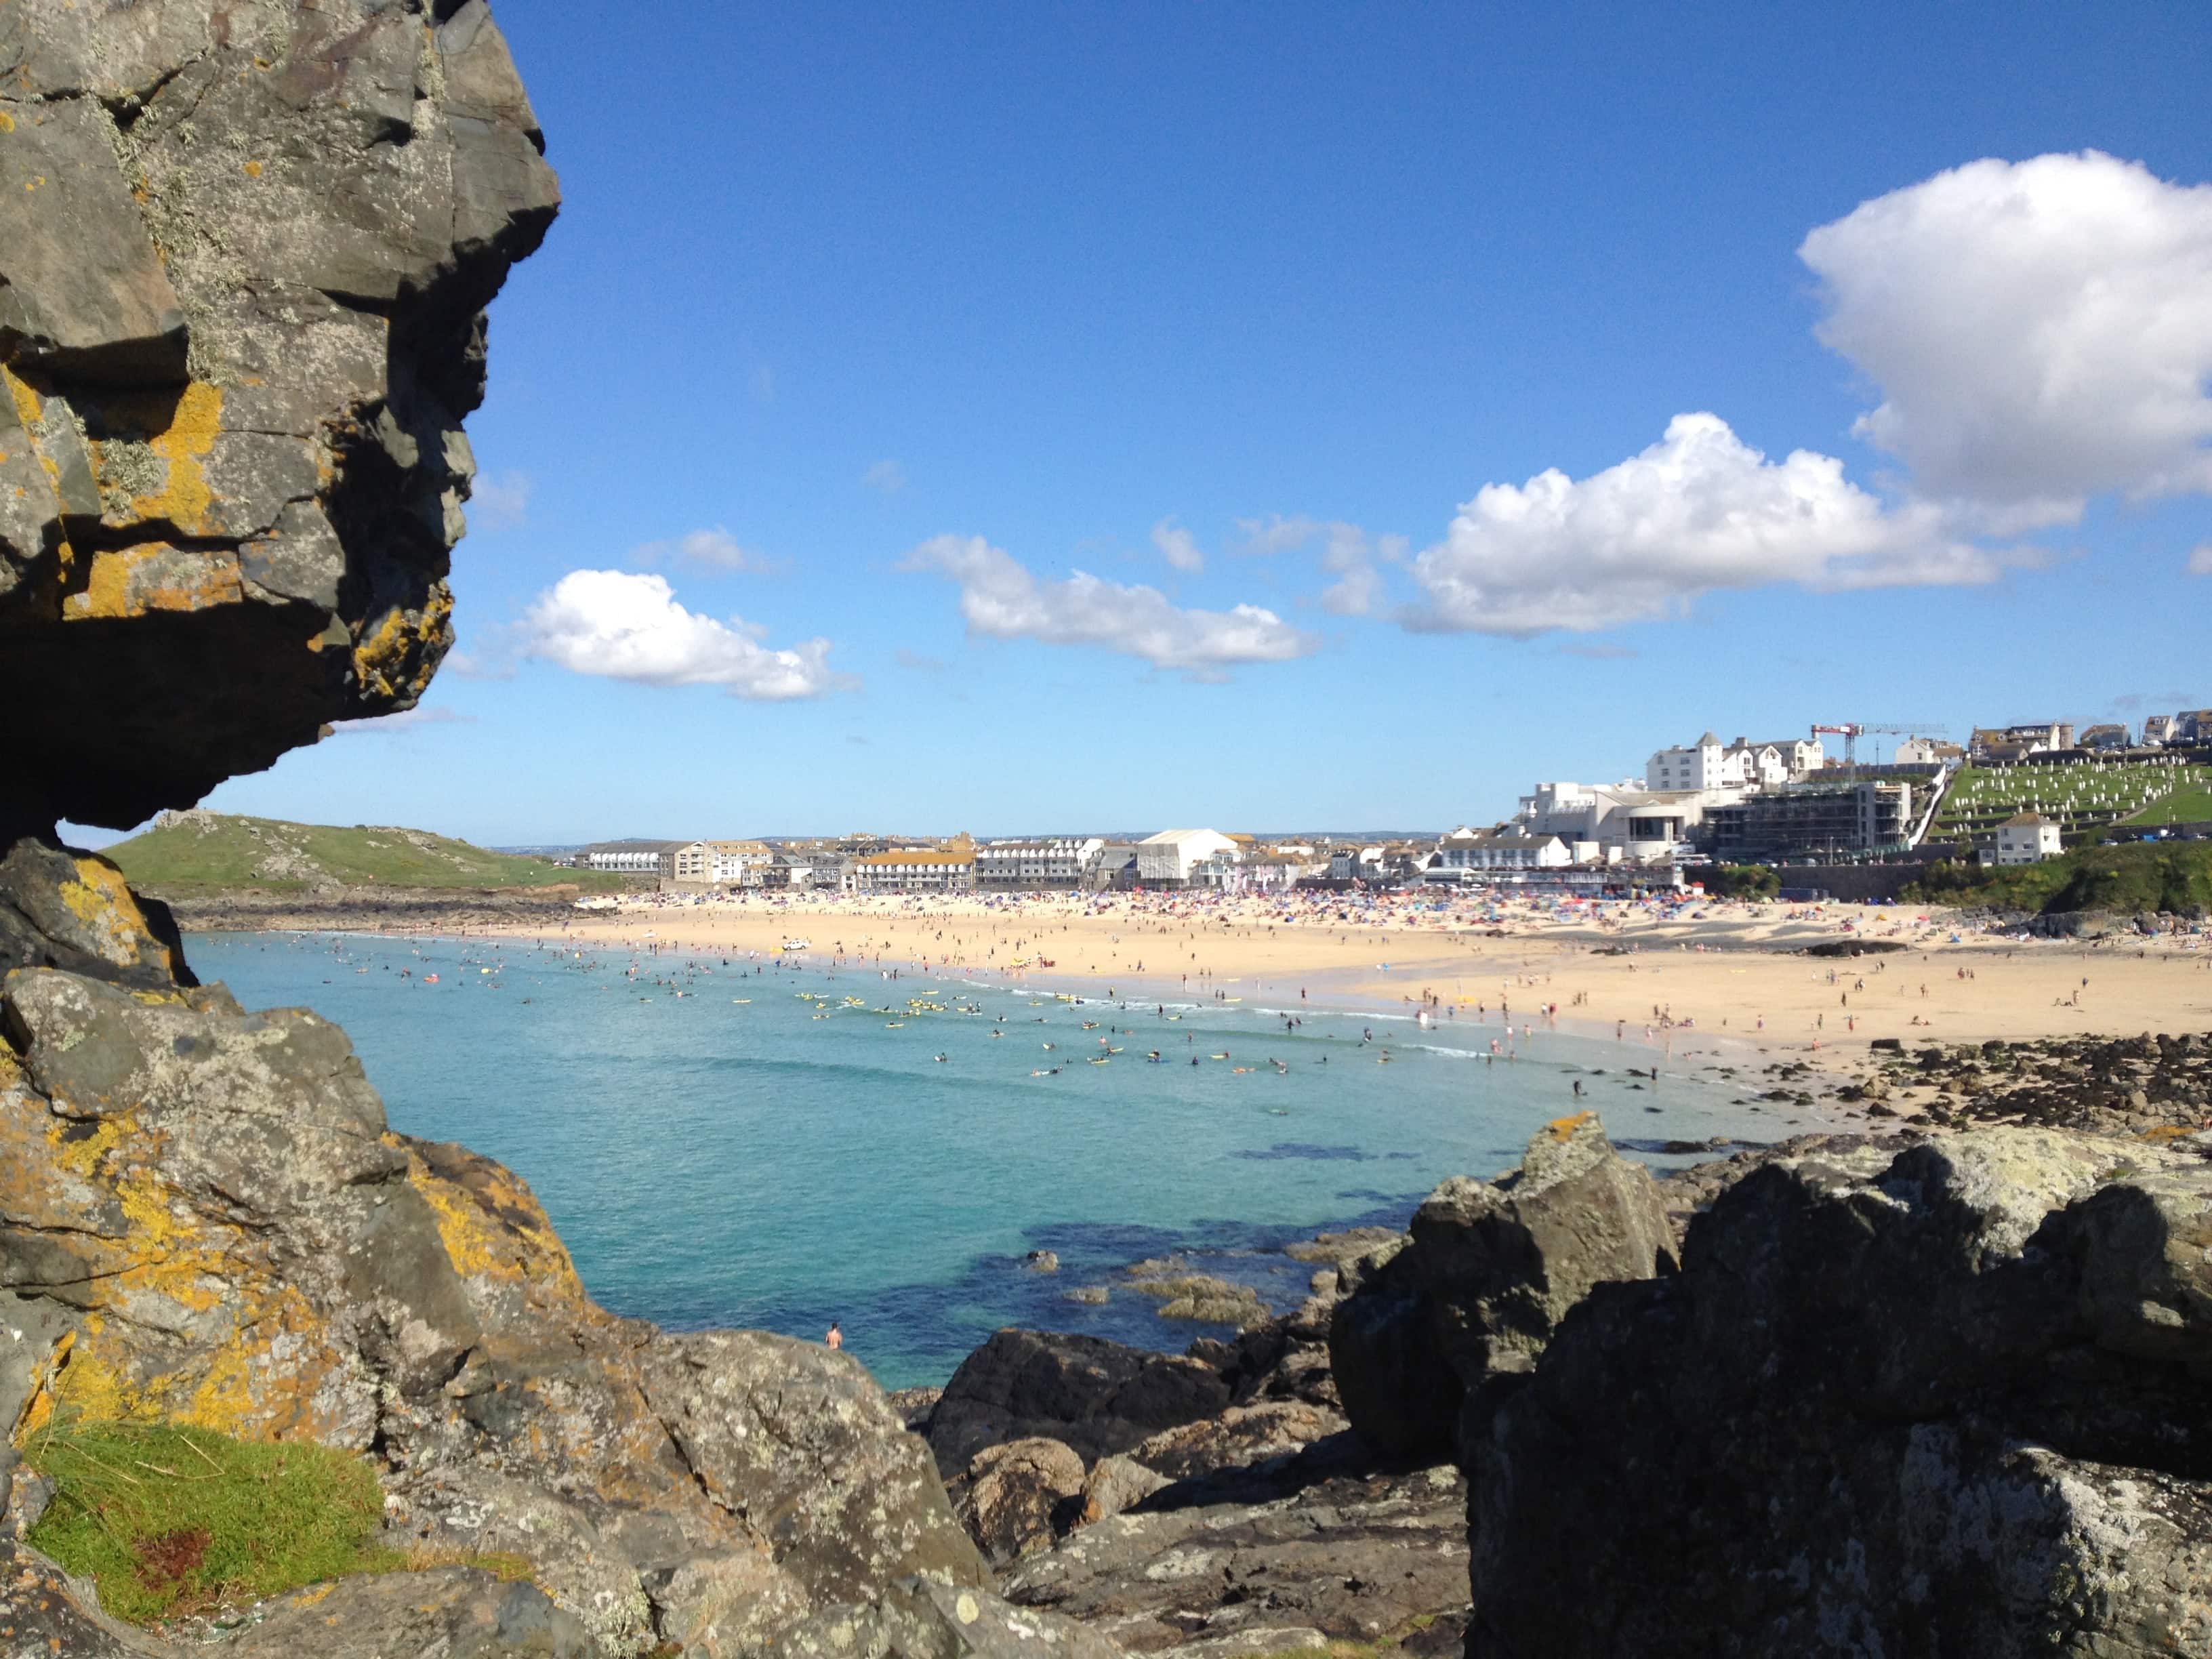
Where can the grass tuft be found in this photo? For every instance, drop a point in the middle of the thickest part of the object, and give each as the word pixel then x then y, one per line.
pixel 170 1520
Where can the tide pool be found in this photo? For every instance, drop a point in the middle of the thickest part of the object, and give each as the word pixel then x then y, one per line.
pixel 723 1141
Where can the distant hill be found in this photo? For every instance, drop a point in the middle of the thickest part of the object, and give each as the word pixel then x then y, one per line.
pixel 189 854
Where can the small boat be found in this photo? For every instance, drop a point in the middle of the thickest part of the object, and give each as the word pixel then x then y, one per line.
pixel 894 1026
pixel 741 1000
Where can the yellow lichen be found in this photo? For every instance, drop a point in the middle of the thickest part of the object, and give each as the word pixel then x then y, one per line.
pixel 7 122
pixel 102 899
pixel 252 169
pixel 498 1233
pixel 28 408
pixel 184 444
pixel 1563 1128
pixel 388 658
pixel 131 582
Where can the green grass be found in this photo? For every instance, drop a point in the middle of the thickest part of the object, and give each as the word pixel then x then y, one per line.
pixel 2145 876
pixel 2183 806
pixel 171 1521
pixel 2080 799
pixel 278 857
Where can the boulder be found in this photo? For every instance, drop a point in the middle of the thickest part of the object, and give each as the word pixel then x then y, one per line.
pixel 1094 1395
pixel 1240 1436
pixel 1115 1484
pixel 1946 1399
pixel 1017 1495
pixel 1491 1268
pixel 246 249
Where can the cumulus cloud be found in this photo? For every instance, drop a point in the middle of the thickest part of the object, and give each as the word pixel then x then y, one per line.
pixel 713 549
pixel 999 598
pixel 2200 560
pixel 499 500
pixel 625 626
pixel 1348 552
pixel 1699 510
pixel 888 476
pixel 1177 545
pixel 2040 331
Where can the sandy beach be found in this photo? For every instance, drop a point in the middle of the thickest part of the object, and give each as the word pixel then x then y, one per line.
pixel 1667 975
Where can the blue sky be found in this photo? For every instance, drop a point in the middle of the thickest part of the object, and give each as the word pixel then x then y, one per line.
pixel 874 325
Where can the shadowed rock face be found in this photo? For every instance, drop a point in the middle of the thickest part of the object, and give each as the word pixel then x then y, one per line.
pixel 244 251
pixel 1949 1399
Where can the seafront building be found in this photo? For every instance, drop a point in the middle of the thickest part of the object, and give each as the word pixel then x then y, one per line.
pixel 914 870
pixel 1049 864
pixel 2029 838
pixel 1186 858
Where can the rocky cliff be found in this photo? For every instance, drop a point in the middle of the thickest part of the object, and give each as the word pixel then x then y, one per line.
pixel 245 248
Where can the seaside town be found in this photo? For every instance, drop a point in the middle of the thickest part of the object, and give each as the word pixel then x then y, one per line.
pixel 1831 821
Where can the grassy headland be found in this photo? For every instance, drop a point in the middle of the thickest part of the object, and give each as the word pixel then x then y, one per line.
pixel 202 853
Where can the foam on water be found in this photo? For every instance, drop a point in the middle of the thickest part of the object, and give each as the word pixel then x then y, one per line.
pixel 779 1162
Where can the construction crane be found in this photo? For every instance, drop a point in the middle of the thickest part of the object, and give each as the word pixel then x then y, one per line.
pixel 1850 731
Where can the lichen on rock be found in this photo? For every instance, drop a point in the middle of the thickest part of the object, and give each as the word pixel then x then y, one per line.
pixel 231 454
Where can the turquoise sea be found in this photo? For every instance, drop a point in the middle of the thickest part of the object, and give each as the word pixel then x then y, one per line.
pixel 744 1154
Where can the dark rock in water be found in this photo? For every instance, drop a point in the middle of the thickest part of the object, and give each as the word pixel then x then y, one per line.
pixel 1492 1269
pixel 1014 1494
pixel 1340 1246
pixel 1095 1395
pixel 1942 1399
pixel 241 320
pixel 1044 1261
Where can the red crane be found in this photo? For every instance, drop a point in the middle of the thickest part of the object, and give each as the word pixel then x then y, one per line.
pixel 1850 732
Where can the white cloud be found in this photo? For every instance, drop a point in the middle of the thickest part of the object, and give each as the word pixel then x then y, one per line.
pixel 713 549
pixel 2200 560
pixel 1699 510
pixel 887 476
pixel 407 720
pixel 1348 553
pixel 1001 598
pixel 2040 331
pixel 630 627
pixel 498 501
pixel 1177 545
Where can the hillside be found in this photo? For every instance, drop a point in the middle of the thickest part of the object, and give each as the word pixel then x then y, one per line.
pixel 2080 799
pixel 2144 876
pixel 193 854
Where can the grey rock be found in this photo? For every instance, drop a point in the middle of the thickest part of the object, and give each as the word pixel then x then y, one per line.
pixel 1016 1496
pixel 231 460
pixel 1094 1395
pixel 449 1613
pixel 920 1619
pixel 1949 1404
pixel 1359 1556
pixel 1114 1484
pixel 1492 1269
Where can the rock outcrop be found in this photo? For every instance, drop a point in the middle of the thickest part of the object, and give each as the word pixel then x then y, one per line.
pixel 1943 1400
pixel 244 252
pixel 1490 1269
pixel 1091 1395
pixel 205 1218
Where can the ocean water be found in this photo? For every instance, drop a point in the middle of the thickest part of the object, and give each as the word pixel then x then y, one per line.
pixel 756 1152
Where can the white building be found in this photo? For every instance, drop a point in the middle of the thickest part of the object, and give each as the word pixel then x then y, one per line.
pixel 1927 752
pixel 1184 858
pixel 1060 861
pixel 1465 852
pixel 1705 765
pixel 737 863
pixel 2027 839
pixel 629 858
pixel 936 870
pixel 1610 824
